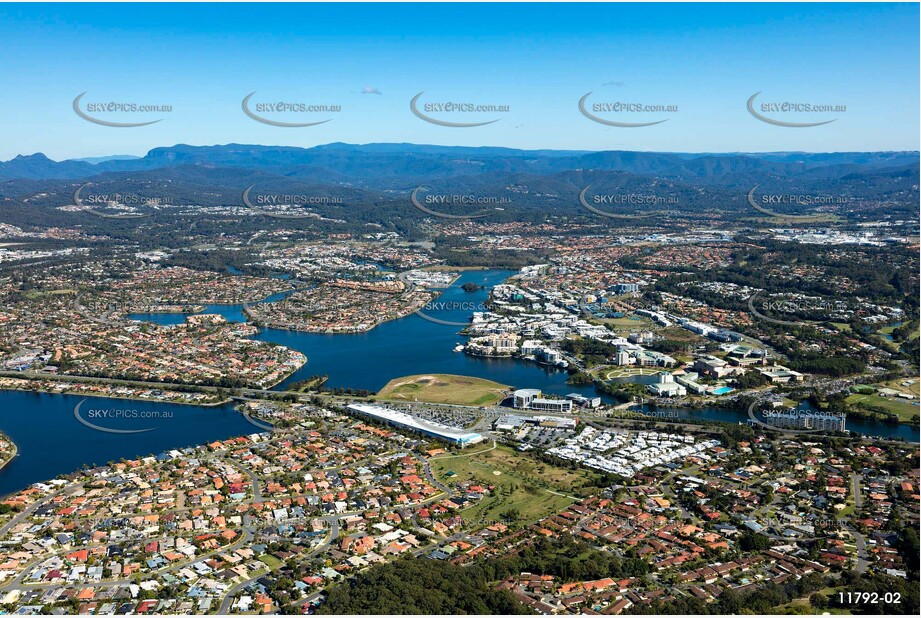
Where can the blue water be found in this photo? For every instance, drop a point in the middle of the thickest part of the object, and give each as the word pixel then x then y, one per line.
pixel 881 430
pixel 409 346
pixel 414 345
pixel 232 313
pixel 52 441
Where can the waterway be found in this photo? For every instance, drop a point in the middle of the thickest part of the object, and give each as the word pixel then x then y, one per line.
pixel 53 442
pixel 408 346
pixel 881 430
pixel 416 345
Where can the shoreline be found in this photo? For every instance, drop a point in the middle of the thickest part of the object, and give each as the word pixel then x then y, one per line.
pixel 260 324
pixel 13 454
pixel 108 396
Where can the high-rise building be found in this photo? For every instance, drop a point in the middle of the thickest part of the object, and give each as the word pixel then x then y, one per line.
pixel 797 418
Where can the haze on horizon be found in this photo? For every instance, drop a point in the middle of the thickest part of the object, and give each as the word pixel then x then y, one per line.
pixel 408 146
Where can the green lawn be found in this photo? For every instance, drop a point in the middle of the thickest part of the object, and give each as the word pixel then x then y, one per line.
pixel 609 372
pixel 522 484
pixel 444 388
pixel 629 323
pixel 270 561
pixel 900 407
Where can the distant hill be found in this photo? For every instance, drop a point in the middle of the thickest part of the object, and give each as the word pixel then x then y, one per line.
pixel 95 160
pixel 374 181
pixel 38 166
pixel 413 162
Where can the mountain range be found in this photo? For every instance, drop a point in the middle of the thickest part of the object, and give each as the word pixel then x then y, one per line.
pixel 372 173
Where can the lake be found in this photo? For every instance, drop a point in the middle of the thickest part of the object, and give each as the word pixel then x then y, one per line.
pixel 414 345
pixel 52 441
pixel 408 346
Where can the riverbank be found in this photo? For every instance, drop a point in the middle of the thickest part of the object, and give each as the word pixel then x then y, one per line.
pixel 43 384
pixel 256 320
pixel 8 450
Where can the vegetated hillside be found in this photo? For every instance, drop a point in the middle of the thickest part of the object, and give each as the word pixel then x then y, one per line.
pixel 410 161
pixel 372 183
pixel 419 586
pixel 523 196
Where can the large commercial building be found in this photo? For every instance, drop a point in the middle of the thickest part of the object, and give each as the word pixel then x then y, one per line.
pixel 780 375
pixel 530 399
pixel 665 386
pixel 512 422
pixel 426 428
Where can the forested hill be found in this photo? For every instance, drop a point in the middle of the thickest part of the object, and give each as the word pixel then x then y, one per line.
pixel 419 586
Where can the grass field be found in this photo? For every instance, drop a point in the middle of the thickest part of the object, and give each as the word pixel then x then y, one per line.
pixel 522 484
pixel 444 388
pixel 631 323
pixel 611 372
pixel 911 389
pixel 903 408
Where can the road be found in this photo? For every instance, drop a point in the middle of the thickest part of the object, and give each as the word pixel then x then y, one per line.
pixel 855 487
pixel 862 555
pixel 26 512
pixel 229 596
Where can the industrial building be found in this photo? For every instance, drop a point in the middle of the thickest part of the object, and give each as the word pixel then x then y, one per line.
pixel 780 375
pixel 665 386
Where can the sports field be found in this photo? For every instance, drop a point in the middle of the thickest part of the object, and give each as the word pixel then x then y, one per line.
pixel 444 388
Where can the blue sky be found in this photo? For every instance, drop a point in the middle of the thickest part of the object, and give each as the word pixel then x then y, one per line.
pixel 538 59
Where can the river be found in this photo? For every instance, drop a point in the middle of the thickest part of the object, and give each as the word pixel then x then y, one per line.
pixel 53 442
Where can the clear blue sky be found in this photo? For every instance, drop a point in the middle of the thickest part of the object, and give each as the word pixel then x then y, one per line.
pixel 538 59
